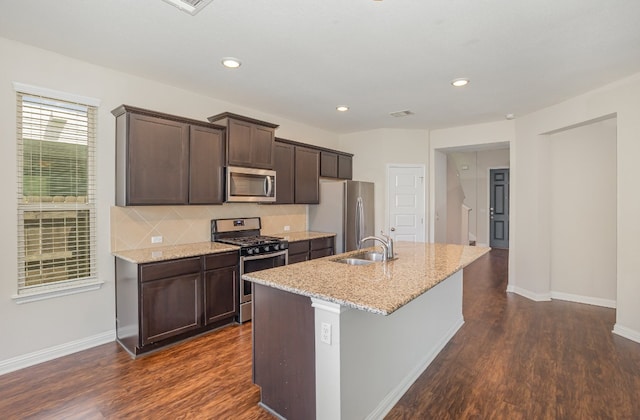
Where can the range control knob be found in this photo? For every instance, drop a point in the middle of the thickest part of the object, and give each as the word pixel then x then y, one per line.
pixel 276 247
pixel 266 248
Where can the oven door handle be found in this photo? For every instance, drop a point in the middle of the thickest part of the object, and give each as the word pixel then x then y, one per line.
pixel 264 256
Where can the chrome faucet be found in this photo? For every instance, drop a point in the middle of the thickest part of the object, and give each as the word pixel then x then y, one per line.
pixel 387 245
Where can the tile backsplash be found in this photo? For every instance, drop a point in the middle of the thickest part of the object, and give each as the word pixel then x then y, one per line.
pixel 133 227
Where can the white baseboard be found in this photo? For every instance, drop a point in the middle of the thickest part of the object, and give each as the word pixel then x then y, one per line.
pixel 40 356
pixel 628 333
pixel 537 297
pixel 392 398
pixel 607 303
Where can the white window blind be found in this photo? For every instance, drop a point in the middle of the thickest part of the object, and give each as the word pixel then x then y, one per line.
pixel 56 193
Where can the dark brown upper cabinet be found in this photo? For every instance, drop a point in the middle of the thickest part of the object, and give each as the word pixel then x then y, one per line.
pixel 307 176
pixel 284 165
pixel 250 142
pixel 335 165
pixel 163 159
pixel 206 167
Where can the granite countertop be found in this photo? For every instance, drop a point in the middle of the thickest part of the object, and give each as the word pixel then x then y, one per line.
pixel 303 236
pixel 381 287
pixel 172 252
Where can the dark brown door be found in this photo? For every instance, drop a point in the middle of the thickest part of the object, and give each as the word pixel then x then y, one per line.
pixel 345 167
pixel 157 161
pixel 284 165
pixel 170 307
pixel 262 147
pixel 499 208
pixel 239 143
pixel 307 187
pixel 220 294
pixel 206 166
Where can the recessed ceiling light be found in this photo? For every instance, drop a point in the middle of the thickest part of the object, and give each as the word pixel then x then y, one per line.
pixel 342 108
pixel 231 63
pixel 460 82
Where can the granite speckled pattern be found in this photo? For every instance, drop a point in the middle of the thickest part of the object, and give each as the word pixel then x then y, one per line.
pixel 163 253
pixel 304 236
pixel 381 287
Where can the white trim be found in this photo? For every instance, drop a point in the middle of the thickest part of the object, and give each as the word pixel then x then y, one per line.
pixel 44 293
pixel 627 333
pixel 36 357
pixel 390 400
pixel 607 303
pixel 55 94
pixel 537 297
pixel 330 307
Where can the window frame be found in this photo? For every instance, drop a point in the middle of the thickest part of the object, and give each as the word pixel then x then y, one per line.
pixel 63 287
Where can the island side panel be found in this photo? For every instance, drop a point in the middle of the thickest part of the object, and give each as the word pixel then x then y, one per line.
pixel 284 352
pixel 373 359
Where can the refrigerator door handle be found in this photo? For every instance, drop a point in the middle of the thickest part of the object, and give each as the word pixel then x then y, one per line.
pixel 359 221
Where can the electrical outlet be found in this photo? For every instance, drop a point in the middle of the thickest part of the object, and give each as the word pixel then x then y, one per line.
pixel 325 333
pixel 156 239
pixel 287 228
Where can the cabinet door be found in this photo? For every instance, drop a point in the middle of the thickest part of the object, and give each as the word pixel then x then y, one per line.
pixel 220 294
pixel 284 165
pixel 307 188
pixel 329 164
pixel 157 161
pixel 206 166
pixel 345 167
pixel 239 143
pixel 262 147
pixel 169 307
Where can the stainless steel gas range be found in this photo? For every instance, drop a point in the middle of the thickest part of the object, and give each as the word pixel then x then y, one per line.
pixel 257 252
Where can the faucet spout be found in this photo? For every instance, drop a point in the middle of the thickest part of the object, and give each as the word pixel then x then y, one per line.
pixel 383 243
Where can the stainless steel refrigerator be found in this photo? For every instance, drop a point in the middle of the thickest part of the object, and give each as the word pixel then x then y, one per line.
pixel 346 208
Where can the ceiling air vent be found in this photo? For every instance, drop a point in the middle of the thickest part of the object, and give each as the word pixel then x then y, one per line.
pixel 399 114
pixel 190 6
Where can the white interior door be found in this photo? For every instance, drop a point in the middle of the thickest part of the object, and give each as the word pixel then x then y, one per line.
pixel 406 202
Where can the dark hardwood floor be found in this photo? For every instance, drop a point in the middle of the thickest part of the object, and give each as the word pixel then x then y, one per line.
pixel 512 359
pixel 518 359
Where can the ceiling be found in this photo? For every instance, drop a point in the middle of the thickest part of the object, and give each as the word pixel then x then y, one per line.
pixel 303 58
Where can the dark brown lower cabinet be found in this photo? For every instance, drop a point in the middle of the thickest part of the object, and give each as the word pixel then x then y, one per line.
pixel 163 302
pixel 220 287
pixel 169 307
pixel 300 251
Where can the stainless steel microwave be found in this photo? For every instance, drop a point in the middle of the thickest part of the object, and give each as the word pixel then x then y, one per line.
pixel 251 185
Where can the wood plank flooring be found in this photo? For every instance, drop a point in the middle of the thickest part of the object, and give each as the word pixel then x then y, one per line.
pixel 512 359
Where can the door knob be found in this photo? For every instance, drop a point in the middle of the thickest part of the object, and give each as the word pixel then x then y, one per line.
pixel 392 229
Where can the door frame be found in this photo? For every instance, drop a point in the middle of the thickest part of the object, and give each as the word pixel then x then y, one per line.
pixel 425 196
pixel 487 212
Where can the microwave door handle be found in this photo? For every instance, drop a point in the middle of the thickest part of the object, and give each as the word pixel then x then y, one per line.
pixel 268 186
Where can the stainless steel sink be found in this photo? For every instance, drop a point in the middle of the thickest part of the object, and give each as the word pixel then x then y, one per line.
pixel 353 261
pixel 369 256
pixel 361 258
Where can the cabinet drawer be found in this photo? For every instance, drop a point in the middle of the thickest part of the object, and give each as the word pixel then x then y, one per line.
pixel 163 270
pixel 298 258
pixel 227 259
pixel 321 253
pixel 321 243
pixel 298 247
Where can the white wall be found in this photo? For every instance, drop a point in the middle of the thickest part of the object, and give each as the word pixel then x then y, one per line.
pixel 377 148
pixel 32 327
pixel 583 211
pixel 530 201
pixel 455 198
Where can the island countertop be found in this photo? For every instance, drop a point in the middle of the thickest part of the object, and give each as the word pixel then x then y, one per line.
pixel 381 287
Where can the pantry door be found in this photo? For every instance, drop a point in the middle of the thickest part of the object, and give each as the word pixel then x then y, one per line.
pixel 406 202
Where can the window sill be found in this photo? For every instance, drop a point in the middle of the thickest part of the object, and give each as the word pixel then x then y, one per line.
pixel 53 292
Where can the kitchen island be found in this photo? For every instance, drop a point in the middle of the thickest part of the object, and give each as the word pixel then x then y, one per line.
pixel 338 341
